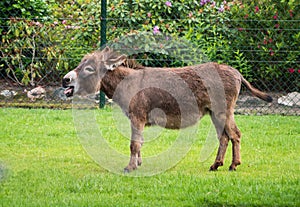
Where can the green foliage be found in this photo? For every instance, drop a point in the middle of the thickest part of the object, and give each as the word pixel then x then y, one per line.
pixel 21 48
pixel 256 37
pixel 20 38
pixel 28 9
pixel 33 50
pixel 265 33
pixel 23 8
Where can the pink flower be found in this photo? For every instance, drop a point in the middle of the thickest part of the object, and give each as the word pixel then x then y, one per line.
pixel 168 4
pixel 149 14
pixel 298 70
pixel 190 14
pixel 292 70
pixel 221 9
pixel 276 25
pixel 55 22
pixel 156 30
pixel 202 2
pixel 38 24
pixel 256 9
pixel 64 22
pixel 275 16
pixel 213 4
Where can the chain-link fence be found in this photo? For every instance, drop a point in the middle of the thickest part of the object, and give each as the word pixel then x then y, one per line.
pixel 261 40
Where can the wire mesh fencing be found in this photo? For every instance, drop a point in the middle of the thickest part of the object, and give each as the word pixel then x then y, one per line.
pixel 261 41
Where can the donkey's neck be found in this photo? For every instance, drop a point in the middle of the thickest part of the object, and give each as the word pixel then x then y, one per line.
pixel 112 79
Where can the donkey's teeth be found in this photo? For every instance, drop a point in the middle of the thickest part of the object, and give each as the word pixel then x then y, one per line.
pixel 68 90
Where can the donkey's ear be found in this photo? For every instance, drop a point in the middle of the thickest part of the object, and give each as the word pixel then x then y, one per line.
pixel 105 53
pixel 111 64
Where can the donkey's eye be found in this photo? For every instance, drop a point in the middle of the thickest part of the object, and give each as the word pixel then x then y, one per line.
pixel 89 69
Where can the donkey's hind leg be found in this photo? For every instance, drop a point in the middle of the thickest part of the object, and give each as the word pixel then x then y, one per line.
pixel 227 130
pixel 235 137
pixel 219 122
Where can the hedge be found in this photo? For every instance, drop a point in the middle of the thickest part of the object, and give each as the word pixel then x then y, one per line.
pixel 260 38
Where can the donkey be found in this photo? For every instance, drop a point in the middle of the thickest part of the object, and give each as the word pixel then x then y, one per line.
pixel 172 98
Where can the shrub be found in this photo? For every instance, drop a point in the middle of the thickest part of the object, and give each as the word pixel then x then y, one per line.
pixel 17 60
pixel 265 33
pixel 256 37
pixel 39 50
pixel 204 23
pixel 28 9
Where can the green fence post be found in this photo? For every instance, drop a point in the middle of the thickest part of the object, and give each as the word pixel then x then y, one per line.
pixel 103 42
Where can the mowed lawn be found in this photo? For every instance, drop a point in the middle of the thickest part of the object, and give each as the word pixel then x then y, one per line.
pixel 42 163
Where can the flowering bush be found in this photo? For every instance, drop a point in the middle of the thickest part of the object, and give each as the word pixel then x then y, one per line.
pixel 21 8
pixel 14 62
pixel 203 22
pixel 37 49
pixel 258 37
pixel 265 31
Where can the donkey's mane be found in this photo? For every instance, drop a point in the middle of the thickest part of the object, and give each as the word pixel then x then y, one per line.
pixel 129 62
pixel 132 63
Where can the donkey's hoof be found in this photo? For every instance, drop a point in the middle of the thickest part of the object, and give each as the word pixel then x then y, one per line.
pixel 215 166
pixel 126 171
pixel 232 168
pixel 129 169
pixel 139 163
pixel 212 168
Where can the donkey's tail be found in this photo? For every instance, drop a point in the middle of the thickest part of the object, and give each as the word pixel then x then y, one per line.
pixel 256 92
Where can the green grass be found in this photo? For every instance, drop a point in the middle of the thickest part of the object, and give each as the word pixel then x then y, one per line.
pixel 42 163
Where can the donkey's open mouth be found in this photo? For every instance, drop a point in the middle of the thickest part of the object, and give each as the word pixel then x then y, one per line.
pixel 69 91
pixel 68 85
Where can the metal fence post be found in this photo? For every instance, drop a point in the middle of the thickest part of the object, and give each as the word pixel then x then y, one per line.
pixel 103 42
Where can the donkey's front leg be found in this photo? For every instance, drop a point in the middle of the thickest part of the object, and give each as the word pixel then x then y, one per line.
pixel 135 147
pixel 139 162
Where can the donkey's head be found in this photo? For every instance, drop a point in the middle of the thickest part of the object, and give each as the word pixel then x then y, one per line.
pixel 86 78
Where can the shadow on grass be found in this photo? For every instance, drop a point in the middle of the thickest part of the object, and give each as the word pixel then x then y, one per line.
pixel 226 204
pixel 215 204
pixel 3 172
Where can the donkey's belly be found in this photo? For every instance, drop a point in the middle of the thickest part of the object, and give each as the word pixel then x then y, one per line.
pixel 172 121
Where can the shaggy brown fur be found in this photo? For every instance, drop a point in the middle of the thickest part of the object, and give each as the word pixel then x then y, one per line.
pixel 170 97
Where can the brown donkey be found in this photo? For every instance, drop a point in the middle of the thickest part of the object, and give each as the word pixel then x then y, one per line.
pixel 181 95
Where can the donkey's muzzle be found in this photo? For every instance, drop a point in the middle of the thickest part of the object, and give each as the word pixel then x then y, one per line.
pixel 69 90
